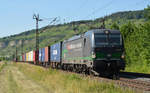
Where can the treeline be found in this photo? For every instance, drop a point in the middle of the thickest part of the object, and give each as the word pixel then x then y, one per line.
pixel 3 58
pixel 137 44
pixel 128 15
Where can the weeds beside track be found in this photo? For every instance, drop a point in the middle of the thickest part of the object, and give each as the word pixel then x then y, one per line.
pixel 3 64
pixel 59 82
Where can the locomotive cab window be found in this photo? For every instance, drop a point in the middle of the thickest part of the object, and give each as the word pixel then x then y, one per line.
pixel 100 39
pixel 107 39
pixel 115 39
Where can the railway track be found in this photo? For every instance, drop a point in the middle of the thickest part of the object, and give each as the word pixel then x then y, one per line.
pixel 135 74
pixel 139 81
pixel 136 85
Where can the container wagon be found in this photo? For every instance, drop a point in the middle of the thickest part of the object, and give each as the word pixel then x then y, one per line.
pixel 47 56
pixel 40 55
pixel 98 51
pixel 34 57
pixel 56 55
pixel 23 58
pixel 44 56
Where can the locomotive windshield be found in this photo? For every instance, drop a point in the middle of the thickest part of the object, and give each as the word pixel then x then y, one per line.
pixel 107 39
pixel 101 39
pixel 115 39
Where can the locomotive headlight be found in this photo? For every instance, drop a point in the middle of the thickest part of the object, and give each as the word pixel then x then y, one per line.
pixel 93 55
pixel 106 32
pixel 123 56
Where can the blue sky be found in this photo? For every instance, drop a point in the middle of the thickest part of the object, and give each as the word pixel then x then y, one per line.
pixel 16 15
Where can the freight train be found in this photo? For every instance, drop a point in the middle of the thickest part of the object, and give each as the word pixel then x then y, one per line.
pixel 97 51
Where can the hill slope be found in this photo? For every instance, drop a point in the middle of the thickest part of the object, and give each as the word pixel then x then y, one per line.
pixel 52 34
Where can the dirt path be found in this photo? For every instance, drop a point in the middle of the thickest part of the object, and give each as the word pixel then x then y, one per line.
pixel 14 81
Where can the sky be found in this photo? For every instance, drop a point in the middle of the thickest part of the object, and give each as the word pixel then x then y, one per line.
pixel 16 15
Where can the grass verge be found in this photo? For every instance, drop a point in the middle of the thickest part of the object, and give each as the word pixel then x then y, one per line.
pixel 2 65
pixel 138 68
pixel 58 82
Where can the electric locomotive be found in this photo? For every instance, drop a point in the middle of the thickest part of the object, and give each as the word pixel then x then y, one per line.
pixel 99 51
pixel 108 52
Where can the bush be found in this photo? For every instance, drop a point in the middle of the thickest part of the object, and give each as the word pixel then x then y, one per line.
pixel 137 45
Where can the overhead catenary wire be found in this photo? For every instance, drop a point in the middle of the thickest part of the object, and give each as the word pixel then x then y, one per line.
pixel 140 2
pixel 83 4
pixel 100 8
pixel 52 21
pixel 80 7
pixel 47 19
pixel 97 10
pixel 108 4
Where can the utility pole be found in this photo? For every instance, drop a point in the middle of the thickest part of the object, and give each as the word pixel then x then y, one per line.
pixel 16 54
pixel 22 44
pixel 74 27
pixel 103 23
pixel 36 17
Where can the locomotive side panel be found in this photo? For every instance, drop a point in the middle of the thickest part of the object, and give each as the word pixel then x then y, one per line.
pixel 87 47
pixel 76 51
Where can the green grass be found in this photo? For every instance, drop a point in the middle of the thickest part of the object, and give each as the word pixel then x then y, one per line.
pixel 138 68
pixel 2 65
pixel 60 82
pixel 13 87
pixel 10 84
pixel 137 47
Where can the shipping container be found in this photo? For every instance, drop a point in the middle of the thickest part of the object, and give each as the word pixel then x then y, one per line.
pixel 30 56
pixel 34 56
pixel 43 55
pixel 55 52
pixel 25 57
pixel 40 55
pixel 20 59
pixel 47 54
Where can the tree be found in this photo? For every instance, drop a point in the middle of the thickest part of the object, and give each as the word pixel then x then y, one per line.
pixel 114 26
pixel 147 12
pixel 128 29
